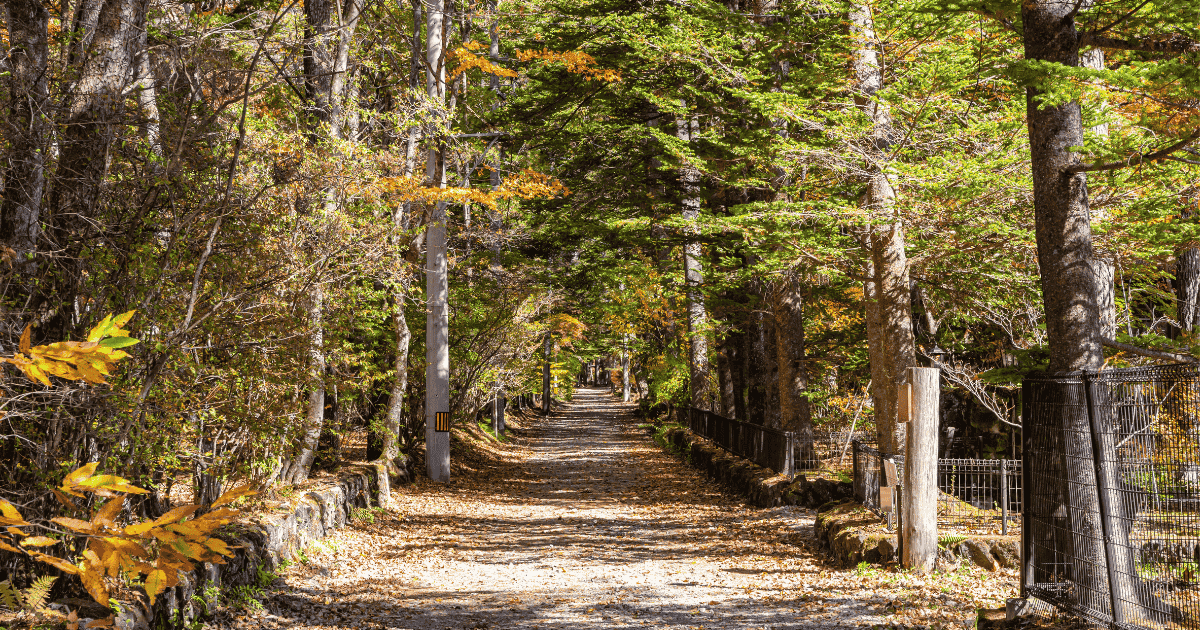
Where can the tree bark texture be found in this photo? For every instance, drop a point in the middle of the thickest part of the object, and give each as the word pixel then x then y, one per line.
pixel 1060 199
pixel 25 129
pixel 1187 283
pixel 297 470
pixel 758 389
pixel 94 110
pixel 546 348
pixel 795 410
pixel 437 321
pixel 1067 265
pixel 887 298
pixel 1103 266
pixel 689 181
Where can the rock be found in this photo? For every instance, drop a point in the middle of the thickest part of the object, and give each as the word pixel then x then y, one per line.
pixel 946 561
pixel 981 555
pixel 1005 553
pixel 887 549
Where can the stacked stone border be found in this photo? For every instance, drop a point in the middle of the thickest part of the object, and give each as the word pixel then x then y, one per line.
pixel 849 532
pixel 761 486
pixel 264 544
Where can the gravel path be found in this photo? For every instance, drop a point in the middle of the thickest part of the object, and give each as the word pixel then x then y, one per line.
pixel 587 524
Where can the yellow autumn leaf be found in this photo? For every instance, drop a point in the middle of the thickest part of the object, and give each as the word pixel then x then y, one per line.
pixel 73 524
pixel 81 473
pixel 232 495
pixel 38 541
pixel 25 337
pixel 177 514
pixel 219 546
pixel 155 584
pixel 57 563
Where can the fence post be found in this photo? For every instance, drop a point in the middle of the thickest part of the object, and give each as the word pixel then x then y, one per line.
pixel 1004 497
pixel 789 461
pixel 918 522
pixel 1104 487
pixel 856 474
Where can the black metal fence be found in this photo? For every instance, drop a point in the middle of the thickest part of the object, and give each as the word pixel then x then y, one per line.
pixel 766 447
pixel 975 496
pixel 1112 529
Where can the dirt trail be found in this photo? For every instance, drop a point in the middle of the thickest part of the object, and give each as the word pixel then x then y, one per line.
pixel 590 525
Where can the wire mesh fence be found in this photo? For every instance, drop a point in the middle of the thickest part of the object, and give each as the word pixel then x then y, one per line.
pixel 766 447
pixel 831 444
pixel 1113 519
pixel 975 496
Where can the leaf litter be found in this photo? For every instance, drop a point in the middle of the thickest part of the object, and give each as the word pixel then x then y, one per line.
pixel 581 521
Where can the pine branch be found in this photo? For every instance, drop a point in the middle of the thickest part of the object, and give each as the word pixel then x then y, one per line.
pixel 1174 44
pixel 1136 159
pixel 1152 354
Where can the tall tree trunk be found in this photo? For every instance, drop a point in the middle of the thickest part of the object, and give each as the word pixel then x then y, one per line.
pixel 93 116
pixel 1102 265
pixel 1070 294
pixel 25 129
pixel 546 348
pixel 401 223
pixel 1187 282
pixel 887 300
pixel 795 409
pixel 737 344
pixel 689 181
pixel 758 387
pixel 437 322
pixel 326 59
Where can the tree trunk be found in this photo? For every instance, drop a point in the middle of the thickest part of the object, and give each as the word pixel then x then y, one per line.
pixel 625 368
pixel 437 322
pixel 758 389
pixel 25 129
pixel 401 223
pixel 1103 266
pixel 1069 288
pixel 297 470
pixel 795 410
pixel 1187 279
pixel 887 300
pixel 1064 236
pixel 326 54
pixel 689 181
pixel 93 115
pixel 546 347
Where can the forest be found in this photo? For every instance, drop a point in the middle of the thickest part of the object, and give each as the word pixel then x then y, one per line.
pixel 234 232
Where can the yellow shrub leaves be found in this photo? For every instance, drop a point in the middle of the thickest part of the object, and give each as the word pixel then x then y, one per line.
pixel 159 550
pixel 576 61
pixel 88 361
pixel 467 60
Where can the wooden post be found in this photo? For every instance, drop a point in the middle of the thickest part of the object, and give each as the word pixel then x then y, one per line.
pixel 919 507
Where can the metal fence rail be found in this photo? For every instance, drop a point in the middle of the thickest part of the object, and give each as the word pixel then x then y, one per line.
pixel 1112 529
pixel 974 495
pixel 766 447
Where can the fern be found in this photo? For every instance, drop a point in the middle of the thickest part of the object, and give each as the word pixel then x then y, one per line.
pixel 37 594
pixel 10 598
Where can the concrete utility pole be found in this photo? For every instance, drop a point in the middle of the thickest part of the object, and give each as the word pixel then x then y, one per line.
pixel 919 512
pixel 437 318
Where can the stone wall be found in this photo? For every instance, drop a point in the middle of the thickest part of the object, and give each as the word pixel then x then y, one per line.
pixel 851 534
pixel 265 543
pixel 761 486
